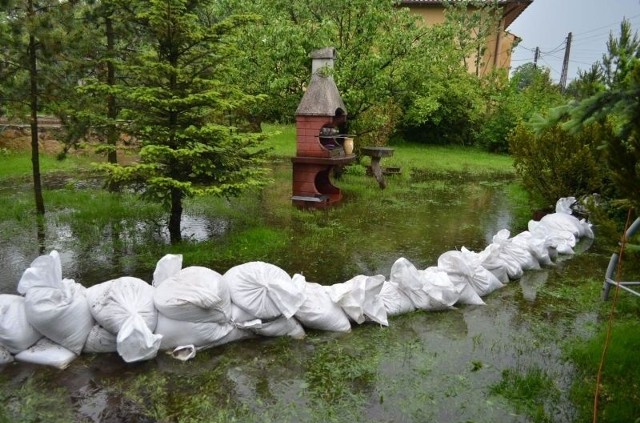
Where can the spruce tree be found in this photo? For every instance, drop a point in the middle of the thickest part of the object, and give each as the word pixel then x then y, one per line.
pixel 178 107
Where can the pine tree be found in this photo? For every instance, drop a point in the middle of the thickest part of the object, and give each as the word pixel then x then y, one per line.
pixel 102 41
pixel 32 38
pixel 177 106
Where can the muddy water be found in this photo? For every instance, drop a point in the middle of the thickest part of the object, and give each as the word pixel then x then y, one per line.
pixel 437 366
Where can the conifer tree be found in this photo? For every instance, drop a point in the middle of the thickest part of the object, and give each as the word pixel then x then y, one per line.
pixel 32 36
pixel 177 107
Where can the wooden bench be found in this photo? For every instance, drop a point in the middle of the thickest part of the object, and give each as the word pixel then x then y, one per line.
pixel 376 154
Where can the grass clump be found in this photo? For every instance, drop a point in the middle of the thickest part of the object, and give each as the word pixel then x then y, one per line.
pixel 35 402
pixel 619 394
pixel 528 392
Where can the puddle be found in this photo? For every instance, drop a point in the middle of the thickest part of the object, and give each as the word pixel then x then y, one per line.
pixel 436 366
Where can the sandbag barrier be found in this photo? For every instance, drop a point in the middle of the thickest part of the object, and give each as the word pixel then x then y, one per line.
pixel 184 310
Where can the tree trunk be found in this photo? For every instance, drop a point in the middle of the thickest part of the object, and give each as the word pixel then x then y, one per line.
pixel 112 111
pixel 41 233
pixel 35 153
pixel 176 216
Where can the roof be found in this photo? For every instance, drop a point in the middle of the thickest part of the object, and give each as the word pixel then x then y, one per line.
pixel 512 8
pixel 321 98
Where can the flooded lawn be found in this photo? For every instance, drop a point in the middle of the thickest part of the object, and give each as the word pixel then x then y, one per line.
pixel 466 364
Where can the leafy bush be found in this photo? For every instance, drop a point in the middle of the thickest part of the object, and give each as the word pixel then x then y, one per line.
pixel 555 163
pixel 446 110
pixel 530 90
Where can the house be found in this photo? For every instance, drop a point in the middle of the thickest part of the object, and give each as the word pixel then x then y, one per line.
pixel 498 47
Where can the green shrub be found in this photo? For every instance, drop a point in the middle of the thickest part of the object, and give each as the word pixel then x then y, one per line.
pixel 530 90
pixel 555 163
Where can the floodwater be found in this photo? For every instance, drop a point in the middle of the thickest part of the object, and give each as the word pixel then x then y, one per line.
pixel 425 366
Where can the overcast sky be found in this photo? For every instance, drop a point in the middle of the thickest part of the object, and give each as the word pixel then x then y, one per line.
pixel 546 23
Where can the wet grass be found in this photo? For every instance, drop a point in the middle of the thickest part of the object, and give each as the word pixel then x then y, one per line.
pixel 18 164
pixel 533 391
pixel 619 395
pixel 35 401
pixel 528 391
pixel 515 359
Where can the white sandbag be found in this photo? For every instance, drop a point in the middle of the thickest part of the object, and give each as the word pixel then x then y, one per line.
pixel 318 311
pixel 423 295
pixel 61 314
pixel 47 353
pixel 538 246
pixel 490 259
pixel 560 240
pixel 5 356
pixel 263 289
pixel 44 271
pixel 358 298
pixel 280 326
pixel 520 254
pixel 566 222
pixel 468 267
pixel 563 205
pixel 167 266
pixel 100 340
pixel 16 333
pixel 113 302
pixel 201 334
pixel 235 335
pixel 135 341
pixel 394 300
pixel 496 253
pixel 439 281
pixel 194 294
pixel 56 307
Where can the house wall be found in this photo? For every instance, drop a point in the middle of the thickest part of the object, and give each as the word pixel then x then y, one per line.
pixel 435 14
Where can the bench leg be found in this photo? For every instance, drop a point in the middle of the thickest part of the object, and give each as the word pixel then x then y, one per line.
pixel 377 172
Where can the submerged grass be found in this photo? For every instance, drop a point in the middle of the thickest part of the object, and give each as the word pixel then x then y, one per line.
pixel 528 391
pixel 343 379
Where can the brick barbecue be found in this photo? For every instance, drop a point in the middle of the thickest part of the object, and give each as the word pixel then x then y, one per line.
pixel 321 119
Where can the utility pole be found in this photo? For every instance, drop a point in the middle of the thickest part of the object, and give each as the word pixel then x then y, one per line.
pixel 535 58
pixel 565 64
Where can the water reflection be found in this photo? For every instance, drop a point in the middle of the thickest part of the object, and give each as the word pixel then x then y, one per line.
pixel 531 281
pixel 423 367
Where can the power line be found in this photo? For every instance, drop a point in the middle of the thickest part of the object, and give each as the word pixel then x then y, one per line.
pixel 606 26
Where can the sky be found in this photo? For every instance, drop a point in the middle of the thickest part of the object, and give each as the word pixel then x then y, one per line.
pixel 546 23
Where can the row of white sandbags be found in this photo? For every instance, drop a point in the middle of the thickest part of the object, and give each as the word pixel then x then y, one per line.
pixel 197 306
pixel 182 306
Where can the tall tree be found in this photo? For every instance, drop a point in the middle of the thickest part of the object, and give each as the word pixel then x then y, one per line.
pixel 178 107
pixel 33 37
pixel 374 40
pixel 619 106
pixel 103 39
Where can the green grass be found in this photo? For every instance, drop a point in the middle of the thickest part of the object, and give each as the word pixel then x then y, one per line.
pixel 619 396
pixel 448 159
pixel 440 159
pixel 527 392
pixel 18 164
pixel 282 139
pixel 261 227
